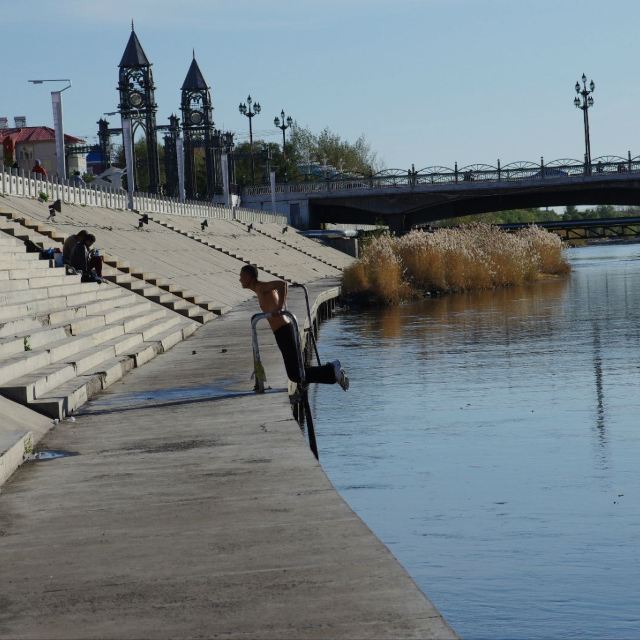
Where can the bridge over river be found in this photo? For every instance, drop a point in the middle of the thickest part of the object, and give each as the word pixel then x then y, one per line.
pixel 589 229
pixel 403 199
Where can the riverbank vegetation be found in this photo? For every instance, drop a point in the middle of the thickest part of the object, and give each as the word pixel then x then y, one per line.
pixel 476 256
pixel 534 215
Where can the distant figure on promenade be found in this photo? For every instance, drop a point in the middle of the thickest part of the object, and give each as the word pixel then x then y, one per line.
pixel 77 180
pixel 39 169
pixel 272 298
pixel 86 261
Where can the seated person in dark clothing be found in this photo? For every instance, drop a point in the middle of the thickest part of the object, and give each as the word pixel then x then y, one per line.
pixel 83 260
pixel 70 243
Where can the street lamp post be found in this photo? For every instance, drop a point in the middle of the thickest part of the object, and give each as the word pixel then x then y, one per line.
pixel 245 110
pixel 56 103
pixel 286 123
pixel 585 104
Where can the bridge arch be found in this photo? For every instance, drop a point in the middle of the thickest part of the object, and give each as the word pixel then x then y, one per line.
pixel 401 211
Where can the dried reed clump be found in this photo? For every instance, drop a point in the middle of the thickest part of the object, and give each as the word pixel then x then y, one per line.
pixel 381 272
pixel 547 249
pixel 476 256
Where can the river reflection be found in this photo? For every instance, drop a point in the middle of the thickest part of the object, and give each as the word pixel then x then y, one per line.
pixel 491 441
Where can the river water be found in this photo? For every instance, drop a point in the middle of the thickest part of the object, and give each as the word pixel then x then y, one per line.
pixel 492 442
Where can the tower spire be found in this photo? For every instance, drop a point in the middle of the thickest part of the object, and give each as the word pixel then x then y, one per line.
pixel 131 24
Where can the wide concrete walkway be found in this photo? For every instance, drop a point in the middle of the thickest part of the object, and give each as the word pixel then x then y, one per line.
pixel 195 509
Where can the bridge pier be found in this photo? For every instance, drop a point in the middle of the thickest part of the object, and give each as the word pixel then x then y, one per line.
pixel 396 224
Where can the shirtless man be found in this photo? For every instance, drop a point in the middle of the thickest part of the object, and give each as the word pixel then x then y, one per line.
pixel 272 298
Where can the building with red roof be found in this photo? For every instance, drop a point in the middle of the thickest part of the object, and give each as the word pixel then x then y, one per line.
pixel 23 145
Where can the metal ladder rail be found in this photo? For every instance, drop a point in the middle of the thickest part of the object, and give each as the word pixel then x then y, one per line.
pixel 261 377
pixel 309 330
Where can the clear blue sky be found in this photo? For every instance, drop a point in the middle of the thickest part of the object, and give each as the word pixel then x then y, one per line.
pixel 427 81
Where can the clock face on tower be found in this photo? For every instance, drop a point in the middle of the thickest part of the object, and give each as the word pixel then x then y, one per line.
pixel 196 117
pixel 136 99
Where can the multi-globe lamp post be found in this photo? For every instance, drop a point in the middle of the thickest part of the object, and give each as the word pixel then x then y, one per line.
pixel 246 110
pixel 283 123
pixel 585 104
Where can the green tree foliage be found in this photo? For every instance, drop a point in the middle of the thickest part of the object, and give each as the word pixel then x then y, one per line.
pixel 303 148
pixel 329 148
pixel 540 215
pixel 266 157
pixel 601 211
pixel 570 212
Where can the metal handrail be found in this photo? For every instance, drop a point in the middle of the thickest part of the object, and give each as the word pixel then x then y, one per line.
pixel 261 376
pixel 309 330
pixel 512 172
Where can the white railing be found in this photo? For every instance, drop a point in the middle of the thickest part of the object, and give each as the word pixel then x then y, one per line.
pixel 16 183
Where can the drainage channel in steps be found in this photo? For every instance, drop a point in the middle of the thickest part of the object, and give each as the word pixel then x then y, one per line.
pixel 114 403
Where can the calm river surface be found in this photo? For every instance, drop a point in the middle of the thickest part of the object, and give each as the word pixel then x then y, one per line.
pixel 492 441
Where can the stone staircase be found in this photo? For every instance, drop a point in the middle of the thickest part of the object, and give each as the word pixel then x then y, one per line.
pixel 154 288
pixel 302 247
pixel 61 340
pixel 218 247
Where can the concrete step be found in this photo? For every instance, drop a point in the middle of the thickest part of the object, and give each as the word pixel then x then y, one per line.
pixel 171 288
pixel 67 306
pixel 13 327
pixel 13 285
pixel 10 263
pixel 133 324
pixel 39 382
pixel 24 363
pixel 192 311
pixel 159 296
pixel 70 356
pixel 8 241
pixel 28 273
pixel 118 278
pixel 16 231
pixel 19 258
pixel 39 293
pixel 120 313
pixel 67 397
pixel 36 335
pixel 107 300
pixel 16 345
pixel 149 332
pixel 75 321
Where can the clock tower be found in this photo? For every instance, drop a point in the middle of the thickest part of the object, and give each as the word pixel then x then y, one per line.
pixel 197 126
pixel 138 103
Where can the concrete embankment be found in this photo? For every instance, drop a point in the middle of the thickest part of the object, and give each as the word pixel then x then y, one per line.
pixel 195 509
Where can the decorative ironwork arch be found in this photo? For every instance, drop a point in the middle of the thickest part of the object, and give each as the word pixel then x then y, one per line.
pixel 564 162
pixel 391 173
pixel 435 169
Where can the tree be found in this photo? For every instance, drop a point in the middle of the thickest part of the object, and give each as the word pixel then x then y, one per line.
pixel 328 148
pixel 502 217
pixel 570 212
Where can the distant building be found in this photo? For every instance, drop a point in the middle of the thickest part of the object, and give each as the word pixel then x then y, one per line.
pixel 96 162
pixel 26 144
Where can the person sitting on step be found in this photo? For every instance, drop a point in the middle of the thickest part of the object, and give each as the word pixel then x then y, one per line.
pixel 85 261
pixel 70 243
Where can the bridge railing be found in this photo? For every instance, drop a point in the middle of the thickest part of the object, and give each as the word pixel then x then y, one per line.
pixel 14 182
pixel 513 172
